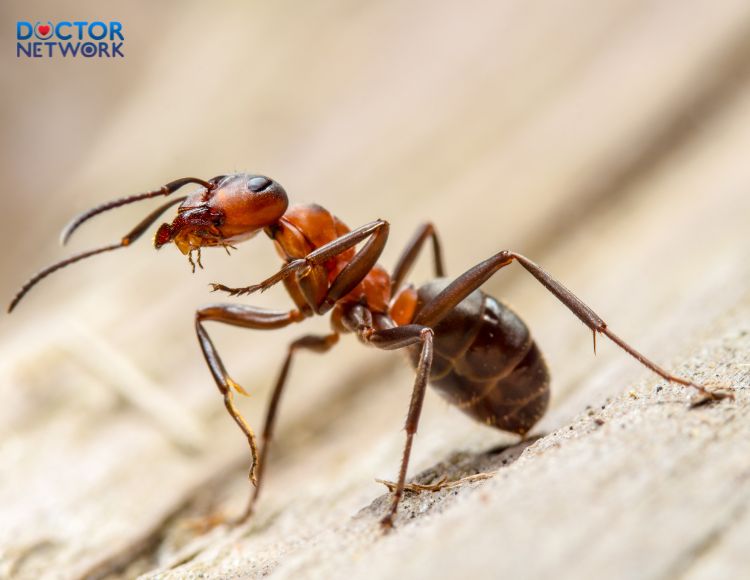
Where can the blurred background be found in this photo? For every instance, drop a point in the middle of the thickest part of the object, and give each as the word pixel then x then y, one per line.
pixel 605 140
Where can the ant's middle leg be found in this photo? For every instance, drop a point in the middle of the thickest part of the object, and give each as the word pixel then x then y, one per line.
pixel 411 251
pixel 472 279
pixel 314 343
pixel 246 317
pixel 391 339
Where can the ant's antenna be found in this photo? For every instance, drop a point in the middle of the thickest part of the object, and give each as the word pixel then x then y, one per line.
pixel 128 239
pixel 170 187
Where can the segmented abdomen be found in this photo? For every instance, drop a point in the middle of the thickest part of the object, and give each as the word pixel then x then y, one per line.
pixel 486 363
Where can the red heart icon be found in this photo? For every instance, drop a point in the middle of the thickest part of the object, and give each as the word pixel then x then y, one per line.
pixel 44 29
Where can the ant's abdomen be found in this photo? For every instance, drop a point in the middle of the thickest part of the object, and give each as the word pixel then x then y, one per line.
pixel 486 363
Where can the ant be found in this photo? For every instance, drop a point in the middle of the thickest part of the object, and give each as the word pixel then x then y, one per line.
pixel 472 348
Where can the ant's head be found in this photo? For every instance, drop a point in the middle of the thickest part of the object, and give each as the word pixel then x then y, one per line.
pixel 225 210
pixel 233 209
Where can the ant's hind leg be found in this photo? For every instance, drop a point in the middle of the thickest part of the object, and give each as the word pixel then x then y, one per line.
pixel 461 287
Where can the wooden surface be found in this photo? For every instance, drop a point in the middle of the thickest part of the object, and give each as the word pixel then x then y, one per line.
pixel 606 141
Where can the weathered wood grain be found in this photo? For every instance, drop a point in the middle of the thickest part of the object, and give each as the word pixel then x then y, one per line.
pixel 607 141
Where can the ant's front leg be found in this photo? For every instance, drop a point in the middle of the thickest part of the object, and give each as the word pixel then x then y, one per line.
pixel 246 317
pixel 357 268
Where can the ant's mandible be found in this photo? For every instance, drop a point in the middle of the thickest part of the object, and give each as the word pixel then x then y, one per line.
pixel 474 350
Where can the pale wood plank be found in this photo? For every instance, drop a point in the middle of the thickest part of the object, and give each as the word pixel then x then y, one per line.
pixel 550 119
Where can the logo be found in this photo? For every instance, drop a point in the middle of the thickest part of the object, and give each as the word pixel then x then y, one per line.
pixel 46 39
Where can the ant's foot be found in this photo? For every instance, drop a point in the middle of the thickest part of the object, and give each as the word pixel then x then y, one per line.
pixel 442 483
pixel 386 524
pixel 202 525
pixel 707 397
pixel 417 487
pixel 235 291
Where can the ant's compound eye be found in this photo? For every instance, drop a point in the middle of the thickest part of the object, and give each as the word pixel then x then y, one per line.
pixel 258 183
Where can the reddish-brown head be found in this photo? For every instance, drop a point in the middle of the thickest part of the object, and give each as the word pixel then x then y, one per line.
pixel 234 209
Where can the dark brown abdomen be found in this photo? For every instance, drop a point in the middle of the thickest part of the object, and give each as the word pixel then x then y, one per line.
pixel 486 363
